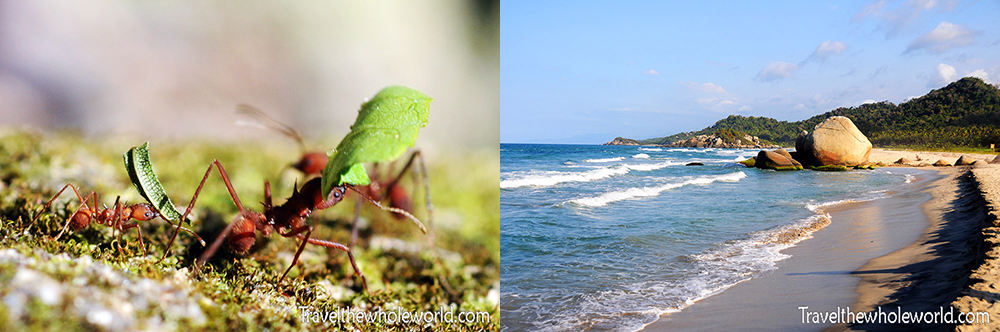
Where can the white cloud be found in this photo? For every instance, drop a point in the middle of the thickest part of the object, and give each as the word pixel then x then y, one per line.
pixel 980 73
pixel 777 70
pixel 868 101
pixel 826 49
pixel 651 72
pixel 707 87
pixel 726 102
pixel 745 108
pixel 943 38
pixel 946 74
pixel 905 15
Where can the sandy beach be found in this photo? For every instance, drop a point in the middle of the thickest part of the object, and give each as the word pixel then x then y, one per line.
pixel 913 251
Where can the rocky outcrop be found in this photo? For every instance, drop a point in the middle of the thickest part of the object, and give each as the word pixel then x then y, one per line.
pixel 713 141
pixel 978 163
pixel 836 141
pixel 995 160
pixel 903 160
pixel 622 141
pixel 941 163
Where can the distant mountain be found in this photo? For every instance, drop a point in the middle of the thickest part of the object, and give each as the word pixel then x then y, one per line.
pixel 965 113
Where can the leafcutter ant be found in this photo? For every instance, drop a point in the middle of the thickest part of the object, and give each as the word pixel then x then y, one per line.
pixel 287 219
pixel 380 188
pixel 116 217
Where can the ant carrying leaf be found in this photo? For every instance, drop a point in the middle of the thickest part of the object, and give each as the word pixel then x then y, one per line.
pixel 378 187
pixel 140 172
pixel 117 216
pixel 386 126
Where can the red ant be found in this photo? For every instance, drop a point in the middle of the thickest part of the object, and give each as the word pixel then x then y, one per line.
pixel 116 217
pixel 313 163
pixel 287 219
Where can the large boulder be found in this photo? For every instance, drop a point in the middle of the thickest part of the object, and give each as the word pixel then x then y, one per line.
pixel 995 160
pixel 776 161
pixel 941 163
pixel 964 160
pixel 836 141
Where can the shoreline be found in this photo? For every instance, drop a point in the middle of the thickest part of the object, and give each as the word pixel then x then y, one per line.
pixel 919 272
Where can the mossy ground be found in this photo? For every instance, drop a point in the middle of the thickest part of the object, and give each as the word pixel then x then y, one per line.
pixel 459 273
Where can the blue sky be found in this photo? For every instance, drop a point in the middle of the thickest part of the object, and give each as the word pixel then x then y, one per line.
pixel 586 72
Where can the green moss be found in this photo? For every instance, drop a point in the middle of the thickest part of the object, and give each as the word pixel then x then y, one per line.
pixel 244 293
pixel 749 162
pixel 829 168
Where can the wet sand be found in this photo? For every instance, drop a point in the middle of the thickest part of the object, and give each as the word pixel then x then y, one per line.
pixel 822 273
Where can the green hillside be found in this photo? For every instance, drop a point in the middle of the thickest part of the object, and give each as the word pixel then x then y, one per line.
pixel 965 113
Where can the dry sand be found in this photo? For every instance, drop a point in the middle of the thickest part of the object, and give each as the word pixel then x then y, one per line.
pixel 983 291
pixel 889 157
pixel 930 269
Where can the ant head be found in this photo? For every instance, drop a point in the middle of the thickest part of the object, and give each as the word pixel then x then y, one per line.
pixel 80 219
pixel 244 232
pixel 311 163
pixel 337 194
pixel 144 212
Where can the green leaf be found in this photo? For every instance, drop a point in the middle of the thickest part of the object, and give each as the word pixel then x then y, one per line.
pixel 140 171
pixel 386 126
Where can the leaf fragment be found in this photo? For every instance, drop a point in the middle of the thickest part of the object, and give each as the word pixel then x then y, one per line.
pixel 386 126
pixel 140 171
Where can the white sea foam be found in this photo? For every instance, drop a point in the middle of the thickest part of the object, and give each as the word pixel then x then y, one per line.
pixel 715 271
pixel 651 149
pixel 551 178
pixel 604 160
pixel 870 196
pixel 630 193
pixel 641 156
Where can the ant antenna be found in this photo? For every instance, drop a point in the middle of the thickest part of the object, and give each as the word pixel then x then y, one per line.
pixel 262 120
pixel 391 209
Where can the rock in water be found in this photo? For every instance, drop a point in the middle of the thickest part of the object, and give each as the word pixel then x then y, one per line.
pixel 964 160
pixel 776 161
pixel 836 141
pixel 694 164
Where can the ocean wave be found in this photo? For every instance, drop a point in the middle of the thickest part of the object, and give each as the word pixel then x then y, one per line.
pixel 551 178
pixel 641 156
pixel 632 307
pixel 630 193
pixel 603 160
pixel 870 196
pixel 651 149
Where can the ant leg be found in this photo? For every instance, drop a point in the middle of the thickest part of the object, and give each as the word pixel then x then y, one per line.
pixel 49 203
pixel 138 230
pixel 338 246
pixel 329 244
pixel 427 187
pixel 232 192
pixel 295 232
pixel 116 223
pixel 92 211
pixel 225 232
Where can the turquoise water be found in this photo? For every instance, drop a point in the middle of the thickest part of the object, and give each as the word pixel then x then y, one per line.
pixel 610 237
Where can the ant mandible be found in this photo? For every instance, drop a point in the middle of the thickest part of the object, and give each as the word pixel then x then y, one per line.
pixel 116 217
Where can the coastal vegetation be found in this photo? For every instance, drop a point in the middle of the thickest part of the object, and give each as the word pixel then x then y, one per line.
pixel 963 115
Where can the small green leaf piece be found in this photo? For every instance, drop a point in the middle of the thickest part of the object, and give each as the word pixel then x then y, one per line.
pixel 386 126
pixel 140 171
